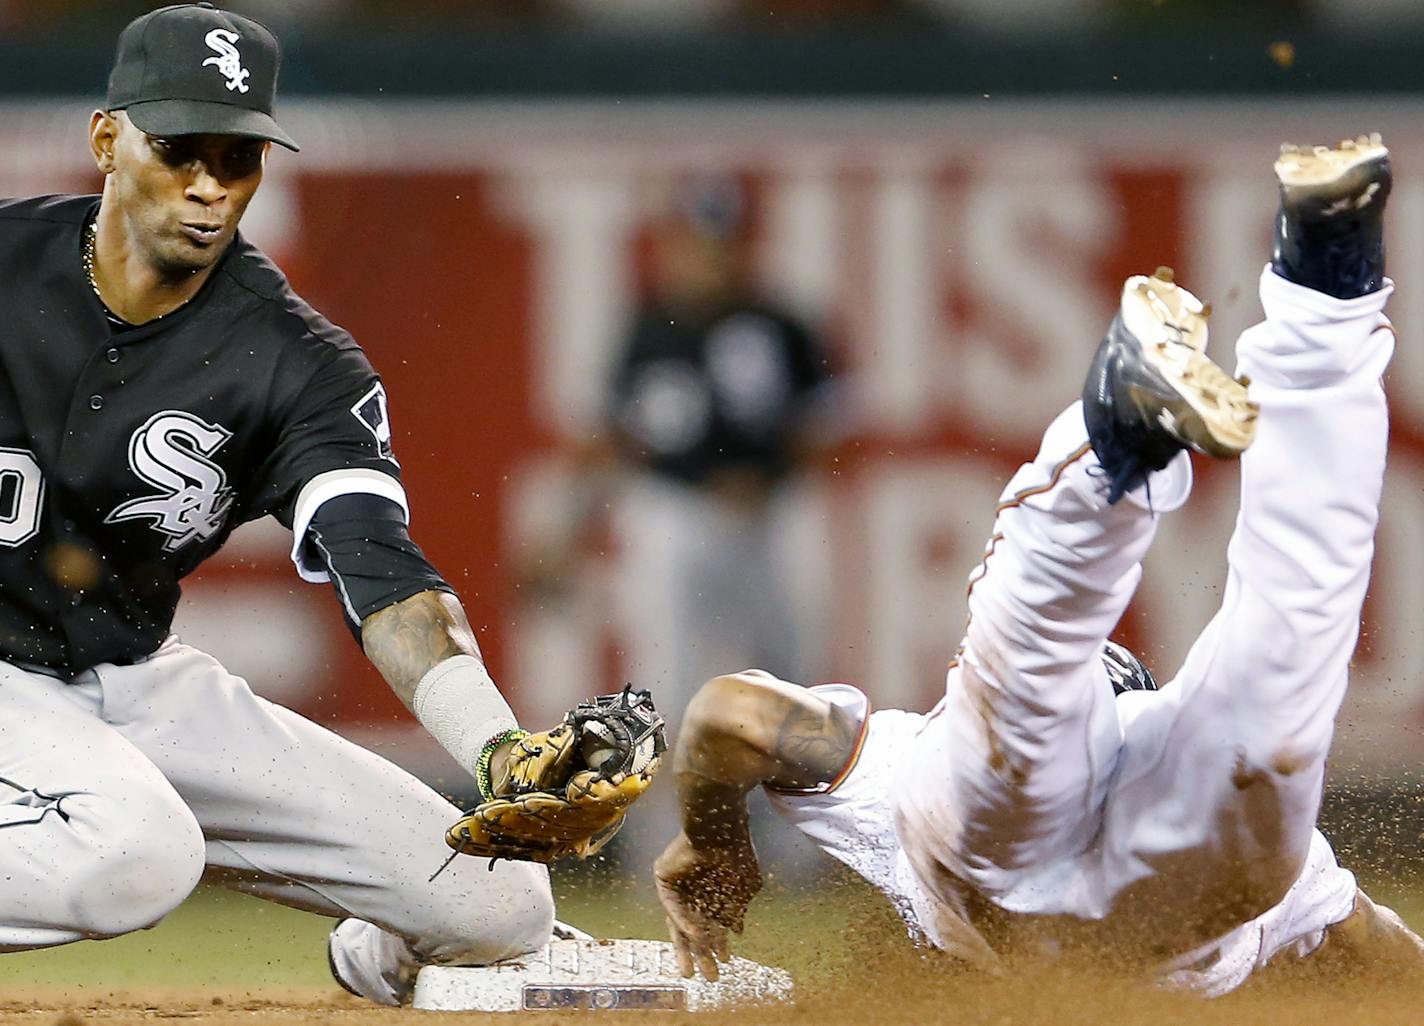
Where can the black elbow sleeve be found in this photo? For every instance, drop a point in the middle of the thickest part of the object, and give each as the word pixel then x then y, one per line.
pixel 363 543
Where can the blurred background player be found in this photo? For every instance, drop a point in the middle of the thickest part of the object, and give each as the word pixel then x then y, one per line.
pixel 1044 808
pixel 719 396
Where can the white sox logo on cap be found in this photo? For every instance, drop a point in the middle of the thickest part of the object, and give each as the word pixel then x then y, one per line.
pixel 228 61
pixel 191 69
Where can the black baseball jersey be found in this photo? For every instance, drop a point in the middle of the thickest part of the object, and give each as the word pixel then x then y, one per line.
pixel 129 453
pixel 694 395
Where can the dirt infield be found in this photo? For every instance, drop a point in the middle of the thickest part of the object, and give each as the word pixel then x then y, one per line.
pixel 225 961
pixel 863 975
pixel 883 995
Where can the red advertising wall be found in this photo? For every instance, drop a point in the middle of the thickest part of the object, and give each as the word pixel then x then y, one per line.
pixel 962 258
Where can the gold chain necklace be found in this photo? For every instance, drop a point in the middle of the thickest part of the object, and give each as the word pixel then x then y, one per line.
pixel 91 236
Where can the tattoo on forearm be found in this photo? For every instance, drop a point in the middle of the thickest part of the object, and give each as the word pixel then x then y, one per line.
pixel 813 747
pixel 404 640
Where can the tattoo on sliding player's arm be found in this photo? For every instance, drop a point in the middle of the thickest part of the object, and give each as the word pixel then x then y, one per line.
pixel 812 745
pixel 407 638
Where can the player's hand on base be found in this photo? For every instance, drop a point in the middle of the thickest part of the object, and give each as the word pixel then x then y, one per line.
pixel 705 893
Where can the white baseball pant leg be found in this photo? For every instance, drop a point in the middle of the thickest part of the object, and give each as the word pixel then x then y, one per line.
pixel 94 842
pixel 702 588
pixel 296 814
pixel 1221 776
pixel 1205 797
pixel 1012 766
pixel 286 810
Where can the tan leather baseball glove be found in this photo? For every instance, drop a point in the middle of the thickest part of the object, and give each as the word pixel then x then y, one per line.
pixel 565 791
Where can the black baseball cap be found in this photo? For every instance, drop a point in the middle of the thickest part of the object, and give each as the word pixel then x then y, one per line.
pixel 192 68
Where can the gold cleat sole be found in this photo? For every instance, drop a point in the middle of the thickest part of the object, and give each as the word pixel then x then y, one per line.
pixel 1317 165
pixel 1215 415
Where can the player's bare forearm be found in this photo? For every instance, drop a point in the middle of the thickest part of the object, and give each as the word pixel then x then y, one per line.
pixel 405 640
pixel 749 729
pixel 741 731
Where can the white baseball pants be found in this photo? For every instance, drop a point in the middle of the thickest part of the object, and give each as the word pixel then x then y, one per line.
pixel 1191 811
pixel 118 791
pixel 855 822
pixel 705 581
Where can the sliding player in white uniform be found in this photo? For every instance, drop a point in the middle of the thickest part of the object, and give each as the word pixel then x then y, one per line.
pixel 1055 796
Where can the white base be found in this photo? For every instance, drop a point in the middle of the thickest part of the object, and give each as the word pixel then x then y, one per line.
pixel 596 975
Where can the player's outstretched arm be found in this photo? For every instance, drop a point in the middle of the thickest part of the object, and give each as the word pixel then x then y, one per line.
pixel 544 796
pixel 740 731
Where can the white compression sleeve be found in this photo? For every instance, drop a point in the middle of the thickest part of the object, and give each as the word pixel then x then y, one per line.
pixel 458 703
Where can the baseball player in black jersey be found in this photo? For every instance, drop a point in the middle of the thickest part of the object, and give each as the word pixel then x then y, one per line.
pixel 718 397
pixel 162 384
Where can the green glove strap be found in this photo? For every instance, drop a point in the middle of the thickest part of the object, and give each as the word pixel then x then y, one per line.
pixel 482 764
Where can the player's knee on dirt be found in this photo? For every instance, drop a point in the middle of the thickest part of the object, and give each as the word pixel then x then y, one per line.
pixel 521 922
pixel 133 873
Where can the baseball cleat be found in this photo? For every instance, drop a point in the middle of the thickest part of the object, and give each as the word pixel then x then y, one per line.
pixel 1330 229
pixel 563 931
pixel 1152 391
pixel 358 955
pixel 376 966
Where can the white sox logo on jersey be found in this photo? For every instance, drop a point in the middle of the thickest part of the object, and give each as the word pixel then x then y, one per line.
pixel 228 61
pixel 171 452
